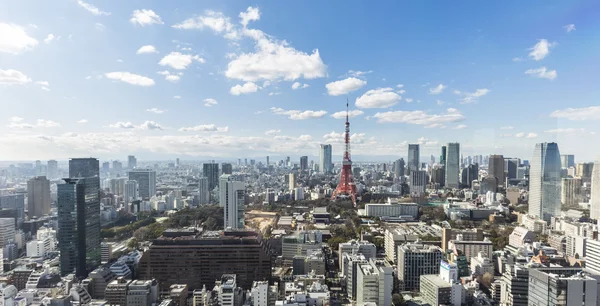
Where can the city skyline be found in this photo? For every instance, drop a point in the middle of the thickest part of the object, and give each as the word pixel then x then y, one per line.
pixel 218 80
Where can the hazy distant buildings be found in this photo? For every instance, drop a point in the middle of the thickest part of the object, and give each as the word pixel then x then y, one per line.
pixel 496 168
pixel 146 180
pixel 131 162
pixel 84 167
pixel 567 160
pixel 131 191
pixel 469 174
pixel 544 181
pixel 418 182
pixel 570 191
pixel 303 163
pixel 38 197
pixel 52 170
pixel 226 168
pixel 399 168
pixel 413 157
pixel 452 165
pixel 584 171
pixel 231 198
pixel 595 200
pixel 292 181
pixel 211 172
pixel 7 231
pixel 203 191
pixel 325 163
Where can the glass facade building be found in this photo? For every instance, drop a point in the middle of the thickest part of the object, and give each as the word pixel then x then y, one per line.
pixel 544 181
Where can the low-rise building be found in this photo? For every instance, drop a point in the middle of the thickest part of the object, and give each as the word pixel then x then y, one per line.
pixel 374 283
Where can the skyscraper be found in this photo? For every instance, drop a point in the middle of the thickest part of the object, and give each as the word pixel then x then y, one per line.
pixel 105 167
pixel 571 193
pixel 203 191
pixel 413 157
pixel 511 165
pixel 211 172
pixel 38 197
pixel 52 169
pixel 227 168
pixel 79 225
pixel 231 198
pixel 267 161
pixel 496 168
pixel 595 200
pixel 117 166
pixel 399 168
pixel 146 179
pixel 584 171
pixel 84 167
pixel 292 181
pixel 567 160
pixel 131 162
pixel 131 191
pixel 325 164
pixel 303 162
pixel 544 181
pixel 452 164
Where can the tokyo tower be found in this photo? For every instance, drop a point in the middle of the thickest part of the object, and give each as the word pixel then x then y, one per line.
pixel 346 186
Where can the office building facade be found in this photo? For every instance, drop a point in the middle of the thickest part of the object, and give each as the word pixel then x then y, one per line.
pixel 131 162
pixel 131 191
pixel 571 192
pixel 211 172
pixel 414 260
pixel 544 181
pixel 203 191
pixel 452 165
pixel 496 168
pixel 325 161
pixel 146 180
pixel 52 170
pixel 567 160
pixel 303 163
pixel 84 167
pixel 413 157
pixel 226 168
pixel 38 197
pixel 595 193
pixel 231 198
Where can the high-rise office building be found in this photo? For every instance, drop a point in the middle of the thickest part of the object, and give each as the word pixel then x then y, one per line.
pixel 469 174
pixel 514 285
pixel 303 162
pixel 570 192
pixel 374 282
pixel 292 181
pixel 146 180
pixel 562 286
pixel 438 175
pixel 496 168
pixel 595 194
pixel 203 191
pixel 226 168
pixel 268 161
pixel 511 166
pixel 567 160
pixel 544 181
pixel 83 167
pixel 415 260
pixel 79 225
pixel 105 167
pixel 131 191
pixel 38 197
pixel 117 166
pixel 399 168
pixel 7 231
pixel 52 170
pixel 584 171
pixel 211 172
pixel 231 197
pixel 418 182
pixel 443 156
pixel 131 162
pixel 325 164
pixel 14 202
pixel 452 165
pixel 198 259
pixel 413 158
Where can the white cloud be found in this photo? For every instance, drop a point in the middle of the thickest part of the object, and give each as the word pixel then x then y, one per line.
pixel 569 27
pixel 151 125
pixel 13 77
pixel 170 77
pixel 145 17
pixel 248 87
pixel 460 127
pixel 578 114
pixel 130 78
pixel 176 97
pixel 92 9
pixel 100 27
pixel 305 138
pixel 420 117
pixel 440 102
pixel 14 39
pixel 122 125
pixel 565 131
pixel 518 59
pixel 345 86
pixel 357 73
pixel 43 83
pixel 251 14
pixel 507 128
pixel 334 137
pixel 408 100
pixel 351 114
pixel 274 93
pixel 540 50
pixel 437 90
pixel 146 49
pixel 15 119
pixel 210 102
pixel 212 20
pixel 179 61
pixel 49 38
pixel 82 121
pixel 401 91
pixel 472 97
pixel 378 98
pixel 542 72
pixel 272 132
pixel 297 85
pixel 205 128
pixel 299 115
pixel 526 135
pixel 46 123
pixel 155 110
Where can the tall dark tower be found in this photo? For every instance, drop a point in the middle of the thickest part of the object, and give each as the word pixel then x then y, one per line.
pixel 346 185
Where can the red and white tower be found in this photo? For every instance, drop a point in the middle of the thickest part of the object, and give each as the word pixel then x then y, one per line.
pixel 346 186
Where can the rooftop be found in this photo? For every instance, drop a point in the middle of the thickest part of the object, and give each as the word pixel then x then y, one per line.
pixel 436 280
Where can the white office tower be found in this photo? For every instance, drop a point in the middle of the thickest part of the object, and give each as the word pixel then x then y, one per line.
pixel 7 231
pixel 231 198
pixel 442 289
pixel 292 181
pixel 418 182
pixel 413 158
pixel 374 283
pixel 298 193
pixel 131 191
pixel 325 164
pixel 592 255
pixel 544 181
pixel 146 180
pixel 452 165
pixel 595 200
pixel 52 169
pixel 38 197
pixel 203 191
pixel 260 293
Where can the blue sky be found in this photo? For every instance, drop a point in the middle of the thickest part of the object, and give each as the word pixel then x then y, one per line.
pixel 229 79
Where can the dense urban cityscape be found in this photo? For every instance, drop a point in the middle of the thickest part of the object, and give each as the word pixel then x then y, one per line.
pixel 453 169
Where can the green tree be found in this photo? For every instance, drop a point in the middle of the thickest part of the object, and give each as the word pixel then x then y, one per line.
pixel 398 300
